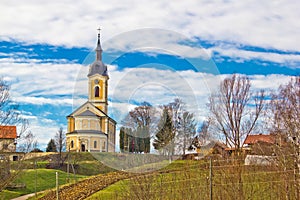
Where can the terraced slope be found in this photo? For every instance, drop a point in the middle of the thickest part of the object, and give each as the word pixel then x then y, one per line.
pixel 85 188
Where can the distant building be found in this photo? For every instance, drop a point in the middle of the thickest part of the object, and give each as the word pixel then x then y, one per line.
pixel 212 148
pixel 8 136
pixel 89 127
pixel 263 144
pixel 254 139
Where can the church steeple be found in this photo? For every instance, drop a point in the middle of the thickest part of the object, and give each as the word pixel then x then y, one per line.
pixel 98 67
pixel 98 48
pixel 98 80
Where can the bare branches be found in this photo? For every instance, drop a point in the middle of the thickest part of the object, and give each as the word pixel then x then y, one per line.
pixel 231 110
pixel 140 122
pixel 9 114
pixel 285 105
pixel 286 108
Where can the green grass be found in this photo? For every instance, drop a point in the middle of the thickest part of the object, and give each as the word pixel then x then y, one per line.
pixel 6 194
pixel 94 167
pixel 37 180
pixel 190 180
pixel 84 163
pixel 110 192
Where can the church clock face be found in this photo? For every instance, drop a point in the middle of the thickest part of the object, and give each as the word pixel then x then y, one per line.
pixel 96 81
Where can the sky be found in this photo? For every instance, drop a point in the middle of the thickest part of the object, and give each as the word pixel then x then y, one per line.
pixel 155 51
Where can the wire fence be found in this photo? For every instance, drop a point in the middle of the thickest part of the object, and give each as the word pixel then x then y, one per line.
pixel 230 179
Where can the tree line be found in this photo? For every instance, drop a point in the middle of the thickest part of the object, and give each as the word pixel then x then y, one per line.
pixel 235 111
pixel 170 128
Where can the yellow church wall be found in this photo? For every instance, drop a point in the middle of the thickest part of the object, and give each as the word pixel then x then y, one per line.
pixel 84 123
pixel 93 125
pixel 71 125
pixel 88 141
pixel 102 125
pixel 101 85
pixel 101 89
pixel 101 107
pixel 69 139
pixel 99 144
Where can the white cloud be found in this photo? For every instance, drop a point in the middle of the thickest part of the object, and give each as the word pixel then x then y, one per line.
pixel 270 82
pixel 36 83
pixel 39 84
pixel 235 53
pixel 266 24
pixel 42 128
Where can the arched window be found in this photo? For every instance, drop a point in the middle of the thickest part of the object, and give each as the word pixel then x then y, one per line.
pixel 95 144
pixel 72 144
pixel 97 91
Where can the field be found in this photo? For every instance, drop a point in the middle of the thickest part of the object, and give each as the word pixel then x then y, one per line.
pixel 192 180
pixel 42 178
pixel 182 179
pixel 37 180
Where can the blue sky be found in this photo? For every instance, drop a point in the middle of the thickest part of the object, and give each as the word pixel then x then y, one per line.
pixel 155 51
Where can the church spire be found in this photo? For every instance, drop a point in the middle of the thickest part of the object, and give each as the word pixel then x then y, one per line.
pixel 98 67
pixel 98 48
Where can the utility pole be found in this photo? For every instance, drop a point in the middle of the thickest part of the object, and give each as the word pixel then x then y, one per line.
pixel 210 180
pixel 57 187
pixel 35 181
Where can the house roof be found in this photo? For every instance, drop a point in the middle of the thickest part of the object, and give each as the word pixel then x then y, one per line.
pixel 220 144
pixel 90 104
pixel 252 139
pixel 8 132
pixel 88 132
pixel 87 113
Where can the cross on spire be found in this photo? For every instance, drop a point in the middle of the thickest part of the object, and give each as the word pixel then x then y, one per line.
pixel 98 48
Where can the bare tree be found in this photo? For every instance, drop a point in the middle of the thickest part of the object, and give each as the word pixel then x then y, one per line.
pixel 285 106
pixel 203 132
pixel 60 141
pixel 187 131
pixel 11 116
pixel 27 142
pixel 235 110
pixel 141 121
pixel 175 111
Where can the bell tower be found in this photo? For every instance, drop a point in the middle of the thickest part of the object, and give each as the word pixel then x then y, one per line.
pixel 98 80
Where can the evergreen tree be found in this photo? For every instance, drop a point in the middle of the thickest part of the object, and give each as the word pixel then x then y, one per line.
pixel 165 134
pixel 121 141
pixel 51 147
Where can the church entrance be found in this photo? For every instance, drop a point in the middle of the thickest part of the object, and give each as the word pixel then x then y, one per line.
pixel 82 147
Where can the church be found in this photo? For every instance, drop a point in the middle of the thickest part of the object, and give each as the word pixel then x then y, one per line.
pixel 90 129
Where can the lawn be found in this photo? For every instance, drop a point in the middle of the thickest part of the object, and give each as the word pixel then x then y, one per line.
pixel 191 180
pixel 38 180
pixel 111 192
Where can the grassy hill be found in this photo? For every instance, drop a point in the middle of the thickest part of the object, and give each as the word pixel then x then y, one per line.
pixel 191 180
pixel 84 165
pixel 182 179
pixel 37 180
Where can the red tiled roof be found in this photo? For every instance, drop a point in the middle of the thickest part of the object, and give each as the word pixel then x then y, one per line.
pixel 8 132
pixel 252 139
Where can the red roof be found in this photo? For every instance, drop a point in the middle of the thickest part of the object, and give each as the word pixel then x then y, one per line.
pixel 252 139
pixel 8 132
